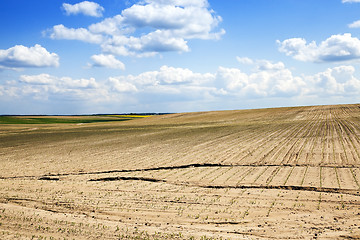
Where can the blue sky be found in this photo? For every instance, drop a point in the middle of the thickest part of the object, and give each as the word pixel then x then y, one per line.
pixel 111 56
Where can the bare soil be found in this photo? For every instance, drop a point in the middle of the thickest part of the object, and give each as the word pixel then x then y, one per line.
pixel 285 173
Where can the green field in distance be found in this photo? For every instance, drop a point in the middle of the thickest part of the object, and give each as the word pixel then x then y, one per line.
pixel 66 119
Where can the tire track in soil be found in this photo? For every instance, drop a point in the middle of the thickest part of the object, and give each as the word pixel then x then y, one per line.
pixel 280 187
pixel 196 165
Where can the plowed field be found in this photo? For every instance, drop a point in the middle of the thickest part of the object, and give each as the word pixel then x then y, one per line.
pixel 285 173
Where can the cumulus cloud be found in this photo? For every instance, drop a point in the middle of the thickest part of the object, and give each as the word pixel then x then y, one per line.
pixel 108 61
pixel 87 8
pixel 120 85
pixel 268 65
pixel 171 75
pixel 20 56
pixel 268 79
pixel 182 18
pixel 355 24
pixel 172 85
pixel 244 60
pixel 82 34
pixel 334 49
pixel 55 82
pixel 111 26
pixel 273 80
pixel 167 76
pixel 337 81
pixel 176 83
pixel 41 79
pixel 45 87
pixel 231 78
pixel 148 28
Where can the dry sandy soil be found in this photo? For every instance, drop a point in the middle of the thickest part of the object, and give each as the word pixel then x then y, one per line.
pixel 286 173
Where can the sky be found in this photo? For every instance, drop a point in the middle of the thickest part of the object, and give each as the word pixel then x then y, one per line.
pixel 122 56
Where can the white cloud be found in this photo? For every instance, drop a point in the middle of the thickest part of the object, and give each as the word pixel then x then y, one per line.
pixel 180 84
pixel 231 78
pixel 45 87
pixel 194 3
pixel 355 24
pixel 261 65
pixel 87 8
pixel 268 66
pixel 162 41
pixel 108 61
pixel 334 81
pixel 183 19
pixel 82 34
pixel 273 80
pixel 168 76
pixel 146 45
pixel 111 26
pixel 171 75
pixel 244 60
pixel 41 79
pixel 334 49
pixel 55 82
pixel 350 1
pixel 120 85
pixel 20 56
pixel 169 85
pixel 267 80
pixel 175 83
pixel 149 27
